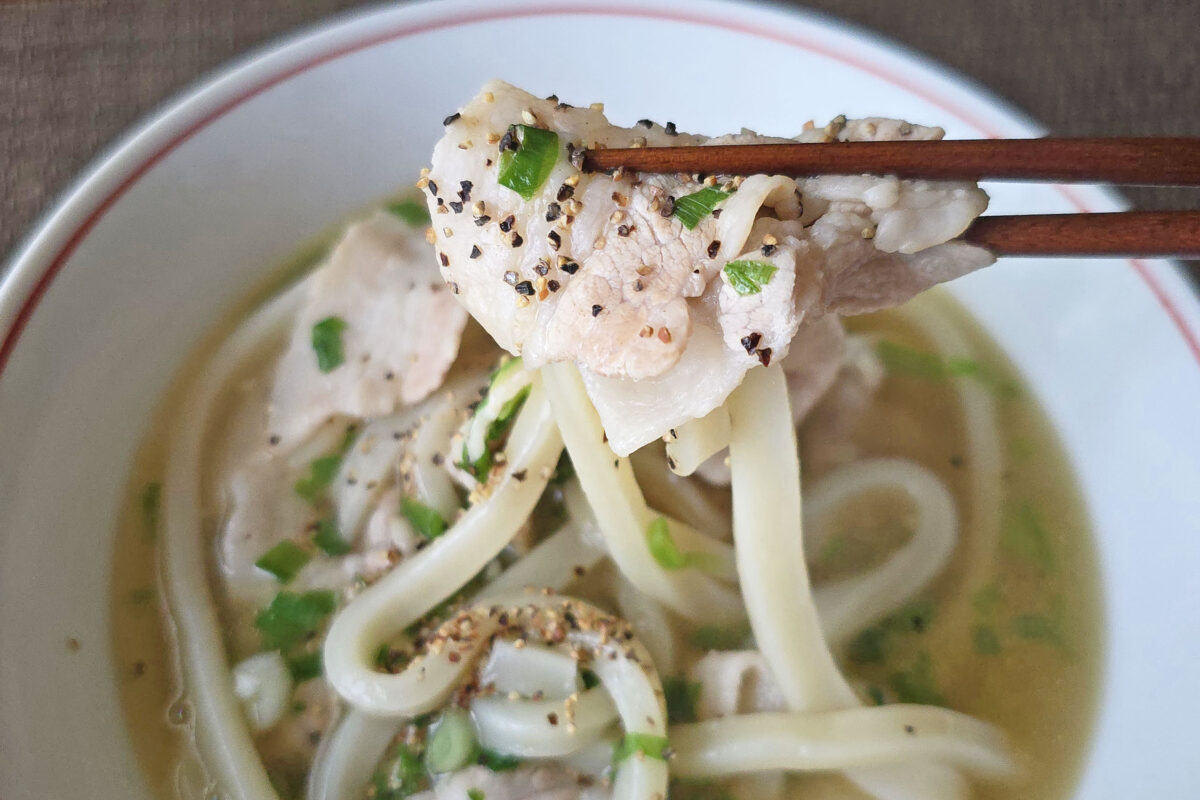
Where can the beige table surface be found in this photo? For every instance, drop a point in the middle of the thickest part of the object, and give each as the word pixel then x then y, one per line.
pixel 75 73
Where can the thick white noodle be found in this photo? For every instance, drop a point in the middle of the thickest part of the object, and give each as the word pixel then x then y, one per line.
pixel 623 515
pixel 221 731
pixel 552 563
pixel 522 727
pixel 848 605
pixel 683 499
pixel 693 443
pixel 775 584
pixel 349 755
pixel 652 621
pixel 837 740
pixel 407 592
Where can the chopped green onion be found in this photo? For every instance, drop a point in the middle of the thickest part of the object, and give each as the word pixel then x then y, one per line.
pixel 413 212
pixel 527 168
pixel 901 360
pixel 714 637
pixel 917 684
pixel 666 552
pixel 327 343
pixel 452 745
pixel 400 775
pixel 590 679
pixel 986 599
pixel 151 500
pixel 306 667
pixel 1037 627
pixel 985 640
pixel 329 540
pixel 680 695
pixel 292 617
pixel 489 425
pixel 647 744
pixel 564 470
pixel 869 646
pixel 1023 535
pixel 498 762
pixel 284 561
pixel 321 473
pixel 475 794
pixel 876 694
pixel 662 545
pixel 749 277
pixel 425 520
pixel 691 208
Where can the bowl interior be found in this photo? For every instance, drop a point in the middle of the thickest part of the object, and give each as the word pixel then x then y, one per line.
pixel 186 216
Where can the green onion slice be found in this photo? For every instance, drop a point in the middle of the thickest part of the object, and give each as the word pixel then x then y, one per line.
pixel 691 208
pixel 647 744
pixel 306 667
pixel 452 745
pixel 329 540
pixel 293 617
pixel 425 520
pixel 525 169
pixel 749 277
pixel 284 561
pixel 327 343
pixel 681 696
pixel 321 473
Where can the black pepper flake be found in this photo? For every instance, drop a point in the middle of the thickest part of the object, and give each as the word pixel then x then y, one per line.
pixel 509 140
pixel 623 230
pixel 507 223
pixel 638 286
pixel 464 193
pixel 389 376
pixel 714 247
pixel 520 474
pixel 553 212
pixel 487 163
pixel 517 241
pixel 561 105
pixel 764 356
pixel 670 128
pixel 524 287
pixel 555 240
pixel 670 462
pixel 542 268
pixel 445 259
pixel 510 278
pixel 716 213
pixel 438 459
pixel 432 188
pixel 553 285
pixel 751 341
pixel 668 208
pixel 482 219
pixel 456 206
pixel 645 123
pixel 596 310
pixel 768 249
pixel 909 729
pixel 475 251
pixel 452 118
pixel 570 267
pixel 454 288
pixel 565 192
pixel 274 440
pixel 956 461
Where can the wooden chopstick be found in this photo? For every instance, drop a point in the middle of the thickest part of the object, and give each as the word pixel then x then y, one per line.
pixel 1174 234
pixel 1147 161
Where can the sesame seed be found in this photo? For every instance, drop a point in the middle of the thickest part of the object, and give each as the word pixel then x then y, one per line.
pixel 447 232
pixel 574 207
pixel 599 243
pixel 467 145
pixel 493 137
pixel 620 199
pixel 572 180
pixel 528 118
pixel 868 233
pixel 646 332
pixel 638 141
pixel 769 240
pixel 488 97
pixel 522 301
pixel 430 235
pixel 664 335
pixel 477 208
pixel 617 217
pixel 597 107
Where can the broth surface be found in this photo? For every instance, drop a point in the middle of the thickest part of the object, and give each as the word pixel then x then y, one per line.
pixel 1011 631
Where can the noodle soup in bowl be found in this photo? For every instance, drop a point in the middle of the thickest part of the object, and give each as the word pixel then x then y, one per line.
pixel 988 485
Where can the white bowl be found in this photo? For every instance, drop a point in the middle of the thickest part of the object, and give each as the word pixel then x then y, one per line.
pixel 176 223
